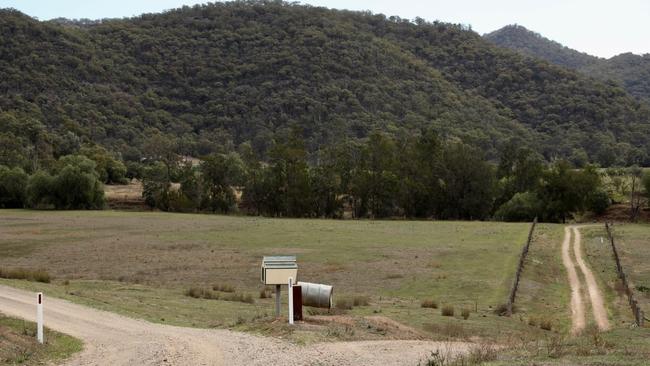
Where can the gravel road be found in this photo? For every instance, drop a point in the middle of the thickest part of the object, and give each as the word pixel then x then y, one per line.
pixel 111 339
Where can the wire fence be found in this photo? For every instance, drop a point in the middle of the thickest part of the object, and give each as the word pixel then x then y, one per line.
pixel 637 312
pixel 520 269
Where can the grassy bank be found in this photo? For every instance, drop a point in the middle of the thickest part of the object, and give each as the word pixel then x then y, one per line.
pixel 18 344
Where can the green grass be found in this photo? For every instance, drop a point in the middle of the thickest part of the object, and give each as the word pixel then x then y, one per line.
pixel 18 345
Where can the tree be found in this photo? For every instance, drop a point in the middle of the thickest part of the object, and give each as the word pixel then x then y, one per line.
pixel 75 185
pixel 220 174
pixel 467 184
pixel 635 174
pixel 12 187
pixel 109 169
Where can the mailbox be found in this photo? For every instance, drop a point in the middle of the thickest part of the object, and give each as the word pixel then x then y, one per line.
pixel 276 270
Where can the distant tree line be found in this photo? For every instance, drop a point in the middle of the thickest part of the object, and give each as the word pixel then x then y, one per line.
pixel 418 175
pixel 414 176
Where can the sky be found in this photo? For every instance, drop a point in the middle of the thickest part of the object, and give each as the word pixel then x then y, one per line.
pixel 599 27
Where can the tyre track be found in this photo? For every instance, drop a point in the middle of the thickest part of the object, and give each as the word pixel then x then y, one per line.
pixel 578 319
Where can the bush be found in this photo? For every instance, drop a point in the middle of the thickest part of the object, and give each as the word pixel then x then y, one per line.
pixel 598 201
pixel 521 207
pixel 447 310
pixel 431 304
pixel 465 313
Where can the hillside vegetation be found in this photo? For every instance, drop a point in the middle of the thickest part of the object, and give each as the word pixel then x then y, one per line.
pixel 627 69
pixel 213 77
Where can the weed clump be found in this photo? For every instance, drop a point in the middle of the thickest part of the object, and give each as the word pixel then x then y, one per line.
pixel 447 310
pixel 546 324
pixel 344 304
pixel 201 293
pixel 224 288
pixel 430 304
pixel 360 301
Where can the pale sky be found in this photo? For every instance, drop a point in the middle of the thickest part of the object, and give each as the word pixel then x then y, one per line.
pixel 599 27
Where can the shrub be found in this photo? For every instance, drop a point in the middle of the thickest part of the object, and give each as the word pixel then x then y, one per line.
pixel 521 207
pixel 465 313
pixel 263 294
pixel 431 304
pixel 598 202
pixel 447 310
pixel 502 309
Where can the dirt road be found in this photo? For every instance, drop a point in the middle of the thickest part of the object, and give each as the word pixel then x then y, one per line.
pixel 577 304
pixel 111 339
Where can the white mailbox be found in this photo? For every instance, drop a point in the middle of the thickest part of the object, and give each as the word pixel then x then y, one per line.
pixel 276 270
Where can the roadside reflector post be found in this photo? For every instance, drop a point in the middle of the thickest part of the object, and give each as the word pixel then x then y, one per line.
pixel 290 300
pixel 39 317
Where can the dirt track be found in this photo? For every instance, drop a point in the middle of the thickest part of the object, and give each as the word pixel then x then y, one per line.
pixel 595 297
pixel 111 339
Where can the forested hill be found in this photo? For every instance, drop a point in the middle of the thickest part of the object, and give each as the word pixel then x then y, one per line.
pixel 212 77
pixel 518 38
pixel 630 70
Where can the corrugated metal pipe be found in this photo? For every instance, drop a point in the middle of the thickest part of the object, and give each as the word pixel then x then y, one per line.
pixel 316 295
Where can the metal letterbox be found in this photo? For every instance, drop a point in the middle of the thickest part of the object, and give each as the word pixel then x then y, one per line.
pixel 276 270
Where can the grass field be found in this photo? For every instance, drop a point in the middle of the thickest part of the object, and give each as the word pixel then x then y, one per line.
pixel 633 243
pixel 18 344
pixel 125 261
pixel 141 264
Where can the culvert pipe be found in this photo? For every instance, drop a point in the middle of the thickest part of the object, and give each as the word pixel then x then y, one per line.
pixel 316 295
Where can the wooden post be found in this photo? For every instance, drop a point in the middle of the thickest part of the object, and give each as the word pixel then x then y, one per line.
pixel 297 302
pixel 277 301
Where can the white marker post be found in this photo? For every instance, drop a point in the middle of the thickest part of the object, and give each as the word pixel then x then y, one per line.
pixel 291 300
pixel 39 317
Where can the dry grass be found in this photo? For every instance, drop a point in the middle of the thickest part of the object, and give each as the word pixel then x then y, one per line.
pixel 224 288
pixel 25 274
pixel 465 313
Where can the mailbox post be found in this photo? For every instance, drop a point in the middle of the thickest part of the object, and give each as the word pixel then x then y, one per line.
pixel 277 270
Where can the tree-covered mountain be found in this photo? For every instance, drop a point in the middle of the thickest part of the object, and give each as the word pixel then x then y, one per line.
pixel 213 77
pixel 630 70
